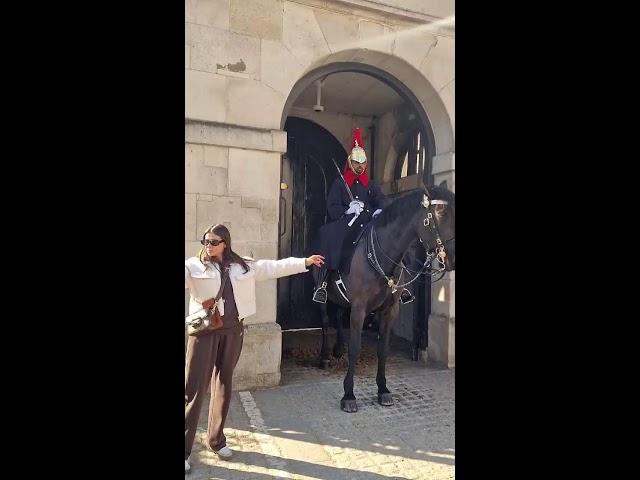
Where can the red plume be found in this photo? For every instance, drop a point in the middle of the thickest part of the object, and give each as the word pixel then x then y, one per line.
pixel 356 136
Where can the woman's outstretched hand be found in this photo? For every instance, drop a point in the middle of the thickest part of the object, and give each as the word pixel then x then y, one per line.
pixel 317 260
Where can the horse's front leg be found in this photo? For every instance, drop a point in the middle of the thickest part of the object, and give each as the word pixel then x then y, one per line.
pixel 415 343
pixel 348 401
pixel 324 351
pixel 388 316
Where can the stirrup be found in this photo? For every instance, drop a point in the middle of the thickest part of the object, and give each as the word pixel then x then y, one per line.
pixel 320 295
pixel 406 297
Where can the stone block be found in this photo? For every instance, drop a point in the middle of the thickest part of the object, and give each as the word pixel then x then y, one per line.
pixel 191 249
pixel 413 45
pixel 259 18
pixel 254 173
pixel 242 55
pixel 193 154
pixel 266 297
pixel 279 68
pixel 206 180
pixel 438 66
pixel 205 96
pixel 190 7
pixel 301 33
pixel 448 96
pixel 251 215
pixel 250 138
pixel 259 363
pixel 443 297
pixel 215 156
pixel 254 104
pixel 375 36
pixel 190 219
pixel 440 329
pixel 220 210
pixel 214 13
pixel 197 132
pixel 279 143
pixel 251 202
pixel 443 163
pixel 256 250
pixel 215 50
pixel 270 211
pixel 340 31
pixel 246 231
pixel 269 232
pixel 207 46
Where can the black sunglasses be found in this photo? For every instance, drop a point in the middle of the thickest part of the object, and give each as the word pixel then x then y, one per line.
pixel 213 242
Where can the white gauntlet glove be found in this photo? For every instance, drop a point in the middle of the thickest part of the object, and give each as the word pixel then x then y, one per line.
pixel 377 212
pixel 356 206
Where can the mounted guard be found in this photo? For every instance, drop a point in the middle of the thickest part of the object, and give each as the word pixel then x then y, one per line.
pixel 353 200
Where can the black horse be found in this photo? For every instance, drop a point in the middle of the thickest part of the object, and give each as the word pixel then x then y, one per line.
pixel 424 215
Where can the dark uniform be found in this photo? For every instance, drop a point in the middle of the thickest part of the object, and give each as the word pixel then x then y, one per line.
pixel 336 237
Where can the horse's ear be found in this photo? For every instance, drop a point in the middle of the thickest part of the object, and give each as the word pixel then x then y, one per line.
pixel 444 184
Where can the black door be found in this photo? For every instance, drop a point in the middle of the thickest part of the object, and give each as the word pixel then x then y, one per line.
pixel 308 172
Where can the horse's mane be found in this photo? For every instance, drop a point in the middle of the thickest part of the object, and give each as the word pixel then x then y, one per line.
pixel 403 203
pixel 409 201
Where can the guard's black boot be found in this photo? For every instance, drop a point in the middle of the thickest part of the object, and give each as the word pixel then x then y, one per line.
pixel 320 293
pixel 406 296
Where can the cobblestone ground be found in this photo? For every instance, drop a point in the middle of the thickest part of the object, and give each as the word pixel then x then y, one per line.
pixel 298 431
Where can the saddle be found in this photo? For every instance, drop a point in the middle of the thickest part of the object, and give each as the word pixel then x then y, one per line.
pixel 349 247
pixel 405 296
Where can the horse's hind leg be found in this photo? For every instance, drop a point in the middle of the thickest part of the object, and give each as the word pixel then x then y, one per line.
pixel 324 351
pixel 387 316
pixel 348 401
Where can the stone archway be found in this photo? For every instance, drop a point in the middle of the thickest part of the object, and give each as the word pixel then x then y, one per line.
pixel 418 91
pixel 399 75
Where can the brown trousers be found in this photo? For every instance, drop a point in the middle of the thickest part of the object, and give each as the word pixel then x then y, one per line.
pixel 210 359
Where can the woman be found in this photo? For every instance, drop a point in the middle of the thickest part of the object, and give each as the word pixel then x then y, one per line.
pixel 213 357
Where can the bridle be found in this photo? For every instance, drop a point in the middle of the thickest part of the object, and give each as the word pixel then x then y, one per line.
pixel 438 251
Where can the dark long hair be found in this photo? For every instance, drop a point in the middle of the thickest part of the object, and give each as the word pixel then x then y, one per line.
pixel 228 255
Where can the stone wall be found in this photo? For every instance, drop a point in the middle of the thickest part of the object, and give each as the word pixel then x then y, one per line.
pixel 244 60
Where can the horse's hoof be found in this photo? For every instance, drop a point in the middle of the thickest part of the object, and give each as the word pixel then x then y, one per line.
pixel 324 364
pixel 349 406
pixel 385 399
